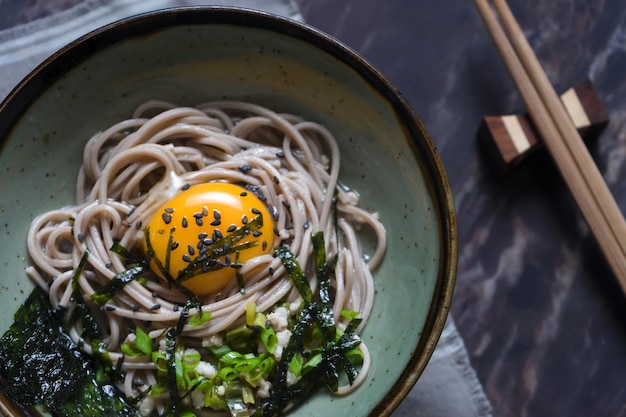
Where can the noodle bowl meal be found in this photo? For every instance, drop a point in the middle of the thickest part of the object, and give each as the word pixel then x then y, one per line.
pixel 217 212
pixel 196 204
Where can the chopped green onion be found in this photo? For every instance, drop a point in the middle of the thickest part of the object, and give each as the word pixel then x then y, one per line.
pixel 140 347
pixel 250 313
pixel 349 315
pixel 355 356
pixel 219 351
pixel 200 318
pixel 227 374
pixel 296 365
pixel 235 399
pixel 143 342
pixel 269 339
pixel 129 349
pixel 311 363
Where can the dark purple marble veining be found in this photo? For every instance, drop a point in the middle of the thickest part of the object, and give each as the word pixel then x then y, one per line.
pixel 541 314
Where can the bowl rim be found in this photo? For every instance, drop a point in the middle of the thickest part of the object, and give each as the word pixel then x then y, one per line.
pixel 69 56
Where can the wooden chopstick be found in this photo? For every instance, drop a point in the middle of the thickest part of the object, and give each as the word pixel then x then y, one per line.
pixel 560 136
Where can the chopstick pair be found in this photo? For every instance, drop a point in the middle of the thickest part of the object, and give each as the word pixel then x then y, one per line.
pixel 560 136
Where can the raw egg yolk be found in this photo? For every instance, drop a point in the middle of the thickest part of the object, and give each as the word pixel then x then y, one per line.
pixel 191 233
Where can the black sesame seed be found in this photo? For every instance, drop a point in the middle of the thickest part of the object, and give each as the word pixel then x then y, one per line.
pixel 155 294
pixel 244 219
pixel 212 262
pixel 136 307
pixel 216 223
pixel 286 204
pixel 221 263
pixel 174 245
pixel 217 215
pixel 226 248
pixel 108 265
pixel 202 235
pixel 138 224
pixel 204 267
pixel 271 271
pixel 264 244
pixel 217 234
pixel 199 221
pixel 110 308
pixel 155 307
pixel 276 180
pixel 186 258
pixel 236 266
pixel 138 382
pixel 245 168
pixel 255 210
pixel 167 218
pixel 81 237
pixel 280 154
pixel 175 307
pixel 185 222
pixel 276 232
pixel 198 215
pixel 243 194
pixel 227 259
pixel 231 228
pixel 200 245
pixel 169 210
pixel 185 187
pixel 288 227
pixel 203 258
pixel 207 242
pixel 191 250
pixel 130 213
pixel 256 233
pixel 306 225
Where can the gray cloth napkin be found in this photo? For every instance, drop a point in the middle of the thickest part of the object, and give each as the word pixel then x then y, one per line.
pixel 448 387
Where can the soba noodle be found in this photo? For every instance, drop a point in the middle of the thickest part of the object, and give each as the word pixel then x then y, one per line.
pixel 133 167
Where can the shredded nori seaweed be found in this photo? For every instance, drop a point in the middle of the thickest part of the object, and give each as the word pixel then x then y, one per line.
pixel 42 366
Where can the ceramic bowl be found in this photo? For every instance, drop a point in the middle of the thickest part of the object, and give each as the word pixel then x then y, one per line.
pixel 193 55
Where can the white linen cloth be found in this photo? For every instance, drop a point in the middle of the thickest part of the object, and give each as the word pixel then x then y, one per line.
pixel 448 387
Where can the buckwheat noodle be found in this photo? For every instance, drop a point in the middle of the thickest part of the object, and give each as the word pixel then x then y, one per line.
pixel 133 167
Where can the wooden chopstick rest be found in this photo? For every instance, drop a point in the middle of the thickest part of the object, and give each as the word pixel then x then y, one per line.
pixel 510 139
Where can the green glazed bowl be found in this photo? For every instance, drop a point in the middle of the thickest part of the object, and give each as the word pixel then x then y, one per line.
pixel 192 55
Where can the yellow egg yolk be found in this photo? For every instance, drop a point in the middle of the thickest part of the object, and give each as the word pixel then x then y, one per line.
pixel 196 237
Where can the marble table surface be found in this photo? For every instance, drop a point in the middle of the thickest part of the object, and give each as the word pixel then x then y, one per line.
pixel 541 314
